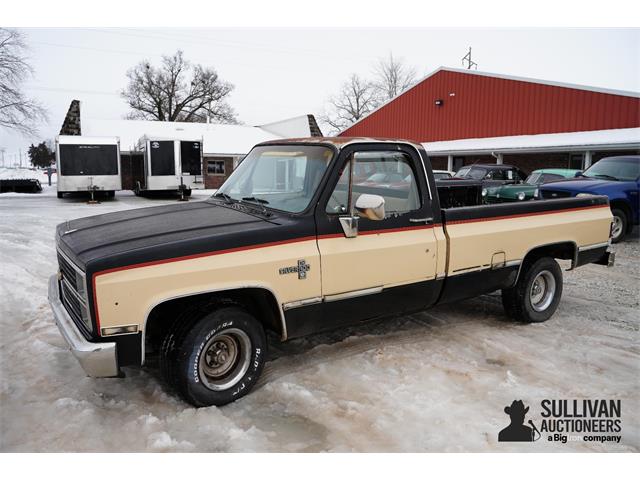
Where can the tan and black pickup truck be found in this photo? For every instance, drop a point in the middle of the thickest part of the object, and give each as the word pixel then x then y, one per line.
pixel 306 235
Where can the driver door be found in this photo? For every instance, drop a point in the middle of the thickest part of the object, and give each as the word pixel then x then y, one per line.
pixel 390 264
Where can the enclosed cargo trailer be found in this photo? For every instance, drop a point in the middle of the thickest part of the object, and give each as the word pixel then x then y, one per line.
pixel 170 165
pixel 88 164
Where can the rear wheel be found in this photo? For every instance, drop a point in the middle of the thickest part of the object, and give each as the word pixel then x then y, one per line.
pixel 536 295
pixel 60 194
pixel 619 227
pixel 215 359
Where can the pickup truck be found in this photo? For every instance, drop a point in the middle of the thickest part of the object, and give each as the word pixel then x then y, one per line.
pixel 293 243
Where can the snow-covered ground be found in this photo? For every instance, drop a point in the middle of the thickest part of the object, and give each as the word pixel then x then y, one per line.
pixel 434 381
pixel 7 173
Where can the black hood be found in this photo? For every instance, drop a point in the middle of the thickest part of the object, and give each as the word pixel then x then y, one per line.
pixel 148 234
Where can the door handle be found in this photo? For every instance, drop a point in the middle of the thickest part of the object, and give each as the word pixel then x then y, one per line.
pixel 427 220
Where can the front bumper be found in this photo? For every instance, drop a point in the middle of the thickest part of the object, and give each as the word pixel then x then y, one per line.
pixel 96 359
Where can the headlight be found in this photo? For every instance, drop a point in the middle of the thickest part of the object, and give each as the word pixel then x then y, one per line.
pixel 584 194
pixel 521 196
pixel 484 192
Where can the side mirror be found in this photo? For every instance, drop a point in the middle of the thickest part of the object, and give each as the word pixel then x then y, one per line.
pixel 578 174
pixel 370 206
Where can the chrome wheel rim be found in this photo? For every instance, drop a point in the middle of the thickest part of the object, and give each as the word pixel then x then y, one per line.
pixel 616 230
pixel 543 290
pixel 224 359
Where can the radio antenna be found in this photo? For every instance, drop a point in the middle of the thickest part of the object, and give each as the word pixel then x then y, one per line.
pixel 469 63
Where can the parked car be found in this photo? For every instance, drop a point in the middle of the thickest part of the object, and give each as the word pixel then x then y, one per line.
pixel 492 174
pixel 442 174
pixel 199 284
pixel 616 177
pixel 528 189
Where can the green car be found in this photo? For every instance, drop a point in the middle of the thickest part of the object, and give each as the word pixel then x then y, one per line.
pixel 528 189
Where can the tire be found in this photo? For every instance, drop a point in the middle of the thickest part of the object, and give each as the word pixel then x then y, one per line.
pixel 111 194
pixel 60 194
pixel 529 303
pixel 214 359
pixel 620 225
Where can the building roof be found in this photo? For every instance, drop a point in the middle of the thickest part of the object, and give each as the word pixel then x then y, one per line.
pixel 615 139
pixel 451 103
pixel 216 138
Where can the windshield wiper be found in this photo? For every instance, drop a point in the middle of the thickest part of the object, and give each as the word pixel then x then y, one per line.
pixel 605 176
pixel 257 200
pixel 260 201
pixel 226 197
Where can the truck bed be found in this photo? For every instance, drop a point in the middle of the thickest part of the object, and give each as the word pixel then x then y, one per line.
pixel 486 244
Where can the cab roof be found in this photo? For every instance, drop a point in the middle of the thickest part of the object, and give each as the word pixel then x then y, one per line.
pixel 339 142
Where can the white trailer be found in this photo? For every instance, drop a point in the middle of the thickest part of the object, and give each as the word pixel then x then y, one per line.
pixel 87 164
pixel 170 165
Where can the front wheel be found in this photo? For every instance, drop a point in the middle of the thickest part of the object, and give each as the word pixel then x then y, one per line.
pixel 218 359
pixel 619 227
pixel 536 295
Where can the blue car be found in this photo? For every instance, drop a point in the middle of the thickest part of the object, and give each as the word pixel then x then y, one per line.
pixel 616 177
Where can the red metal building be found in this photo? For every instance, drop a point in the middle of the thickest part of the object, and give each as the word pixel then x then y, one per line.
pixel 453 104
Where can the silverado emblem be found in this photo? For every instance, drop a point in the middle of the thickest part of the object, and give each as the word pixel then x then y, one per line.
pixel 302 268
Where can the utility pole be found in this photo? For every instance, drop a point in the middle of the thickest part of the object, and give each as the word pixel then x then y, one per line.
pixel 470 63
pixel 20 153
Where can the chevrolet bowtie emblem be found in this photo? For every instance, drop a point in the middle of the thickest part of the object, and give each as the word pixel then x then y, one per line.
pixel 301 269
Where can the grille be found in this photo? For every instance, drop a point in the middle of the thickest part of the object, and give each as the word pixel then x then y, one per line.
pixel 72 291
pixel 554 194
pixel 68 272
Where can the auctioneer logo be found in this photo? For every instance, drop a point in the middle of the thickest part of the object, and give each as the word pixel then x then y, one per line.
pixel 565 421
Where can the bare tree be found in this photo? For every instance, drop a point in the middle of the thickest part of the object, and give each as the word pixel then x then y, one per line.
pixel 177 91
pixel 392 77
pixel 17 111
pixel 357 97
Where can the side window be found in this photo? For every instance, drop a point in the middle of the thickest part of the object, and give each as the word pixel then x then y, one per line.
pixel 500 174
pixel 388 174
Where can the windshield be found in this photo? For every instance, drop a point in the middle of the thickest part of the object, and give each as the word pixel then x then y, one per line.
pixel 468 172
pixel 280 177
pixel 441 175
pixel 538 178
pixel 615 168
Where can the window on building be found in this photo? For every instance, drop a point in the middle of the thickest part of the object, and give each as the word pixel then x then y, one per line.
pixel 215 167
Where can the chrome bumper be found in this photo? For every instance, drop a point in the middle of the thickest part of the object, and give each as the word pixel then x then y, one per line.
pixel 96 359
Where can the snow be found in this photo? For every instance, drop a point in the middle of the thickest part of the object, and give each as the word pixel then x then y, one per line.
pixel 216 138
pixel 629 137
pixel 22 173
pixel 433 381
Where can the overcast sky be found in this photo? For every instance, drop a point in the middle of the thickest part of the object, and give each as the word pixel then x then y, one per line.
pixel 281 73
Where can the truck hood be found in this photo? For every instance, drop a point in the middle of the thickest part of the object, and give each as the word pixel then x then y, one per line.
pixel 147 234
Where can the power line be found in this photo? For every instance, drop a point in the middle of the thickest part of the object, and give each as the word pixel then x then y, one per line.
pixel 69 90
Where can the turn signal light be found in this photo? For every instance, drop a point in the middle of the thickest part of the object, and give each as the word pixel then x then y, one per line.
pixel 119 330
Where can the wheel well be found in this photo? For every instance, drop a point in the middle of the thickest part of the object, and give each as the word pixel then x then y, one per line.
pixel 259 302
pixel 622 205
pixel 561 250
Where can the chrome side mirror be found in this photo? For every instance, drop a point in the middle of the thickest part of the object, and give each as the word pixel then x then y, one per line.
pixel 349 226
pixel 370 206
